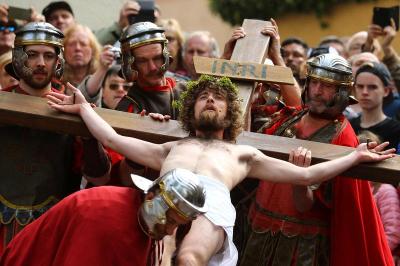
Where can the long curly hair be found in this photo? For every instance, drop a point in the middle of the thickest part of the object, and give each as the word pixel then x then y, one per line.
pixel 188 100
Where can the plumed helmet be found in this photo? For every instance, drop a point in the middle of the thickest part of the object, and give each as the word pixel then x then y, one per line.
pixel 333 69
pixel 140 34
pixel 36 33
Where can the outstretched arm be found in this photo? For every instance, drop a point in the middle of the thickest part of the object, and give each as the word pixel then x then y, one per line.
pixel 142 152
pixel 267 168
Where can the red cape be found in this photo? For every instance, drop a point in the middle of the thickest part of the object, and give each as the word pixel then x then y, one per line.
pixel 97 226
pixel 357 234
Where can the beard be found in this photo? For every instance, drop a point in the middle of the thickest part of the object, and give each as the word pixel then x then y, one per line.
pixel 325 110
pixel 38 84
pixel 209 122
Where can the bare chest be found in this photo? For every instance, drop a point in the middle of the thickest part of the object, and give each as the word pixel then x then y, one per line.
pixel 215 159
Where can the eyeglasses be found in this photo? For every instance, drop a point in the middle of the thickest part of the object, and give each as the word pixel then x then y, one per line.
pixel 115 86
pixel 9 28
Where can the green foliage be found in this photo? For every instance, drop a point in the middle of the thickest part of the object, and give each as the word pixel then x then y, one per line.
pixel 234 11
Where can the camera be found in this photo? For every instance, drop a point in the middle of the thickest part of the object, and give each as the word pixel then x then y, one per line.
pixel 117 54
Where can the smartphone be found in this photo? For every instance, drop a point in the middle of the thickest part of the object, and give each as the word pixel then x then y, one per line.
pixel 383 15
pixel 19 13
pixel 146 12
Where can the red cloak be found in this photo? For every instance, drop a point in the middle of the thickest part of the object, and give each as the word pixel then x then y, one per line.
pixel 356 233
pixel 97 226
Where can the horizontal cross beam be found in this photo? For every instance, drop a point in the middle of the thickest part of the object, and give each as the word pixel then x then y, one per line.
pixel 33 112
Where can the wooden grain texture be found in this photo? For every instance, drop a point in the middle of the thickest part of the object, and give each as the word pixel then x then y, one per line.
pixel 33 112
pixel 28 111
pixel 252 48
pixel 245 71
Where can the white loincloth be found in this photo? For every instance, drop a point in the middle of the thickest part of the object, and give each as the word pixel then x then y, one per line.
pixel 221 213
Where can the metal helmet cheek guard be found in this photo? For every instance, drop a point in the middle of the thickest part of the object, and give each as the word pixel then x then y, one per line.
pixel 333 69
pixel 140 34
pixel 179 189
pixel 36 33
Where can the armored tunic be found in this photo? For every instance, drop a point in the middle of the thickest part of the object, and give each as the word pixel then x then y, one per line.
pixel 152 99
pixel 36 172
pixel 342 224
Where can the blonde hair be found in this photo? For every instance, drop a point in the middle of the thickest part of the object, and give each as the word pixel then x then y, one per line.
pixel 172 25
pixel 94 45
pixel 365 135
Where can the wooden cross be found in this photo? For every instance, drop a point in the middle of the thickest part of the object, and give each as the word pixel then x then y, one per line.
pixel 246 63
pixel 28 111
pixel 33 112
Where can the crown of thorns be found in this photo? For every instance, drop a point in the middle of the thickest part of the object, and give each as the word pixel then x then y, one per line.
pixel 223 82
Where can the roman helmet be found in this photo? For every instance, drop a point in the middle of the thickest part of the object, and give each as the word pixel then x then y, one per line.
pixel 333 69
pixel 32 34
pixel 139 34
pixel 179 189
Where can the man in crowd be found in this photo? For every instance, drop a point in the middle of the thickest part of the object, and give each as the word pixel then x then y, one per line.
pixel 335 42
pixel 38 168
pixel 294 53
pixel 110 225
pixel 59 14
pixel 372 84
pixel 211 112
pixel 198 43
pixel 311 224
pixel 145 60
pixel 111 34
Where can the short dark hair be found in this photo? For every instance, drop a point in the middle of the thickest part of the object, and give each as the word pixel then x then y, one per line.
pixel 331 39
pixel 295 40
pixel 57 5
pixel 377 69
pixel 114 70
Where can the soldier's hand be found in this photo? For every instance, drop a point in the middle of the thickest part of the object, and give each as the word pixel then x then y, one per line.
pixel 300 157
pixel 160 117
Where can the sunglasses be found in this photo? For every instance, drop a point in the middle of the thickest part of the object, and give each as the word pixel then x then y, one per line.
pixel 9 28
pixel 115 86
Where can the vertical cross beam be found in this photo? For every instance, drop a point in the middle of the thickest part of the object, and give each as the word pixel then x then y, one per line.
pixel 253 48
